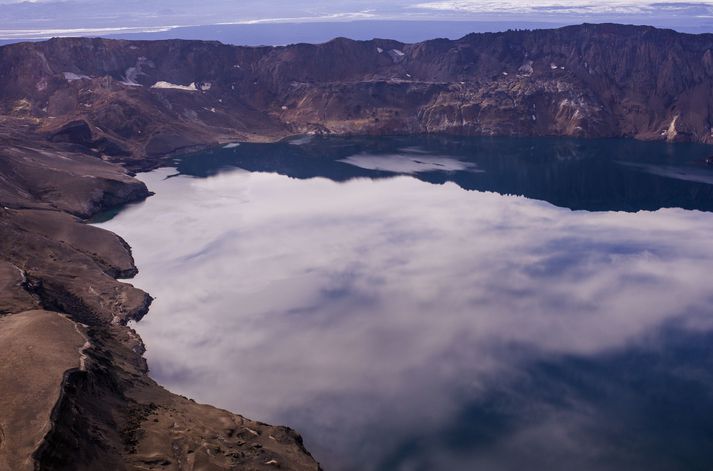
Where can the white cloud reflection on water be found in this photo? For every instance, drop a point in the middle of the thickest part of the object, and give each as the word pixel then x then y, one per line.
pixel 408 163
pixel 357 311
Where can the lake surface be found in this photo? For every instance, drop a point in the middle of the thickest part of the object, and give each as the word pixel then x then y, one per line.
pixel 441 303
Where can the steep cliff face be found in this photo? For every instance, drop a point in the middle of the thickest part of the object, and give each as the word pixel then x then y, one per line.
pixel 147 98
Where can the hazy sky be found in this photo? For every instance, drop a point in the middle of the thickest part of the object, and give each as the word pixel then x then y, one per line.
pixel 45 18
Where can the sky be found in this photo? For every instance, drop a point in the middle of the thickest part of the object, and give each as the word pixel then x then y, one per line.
pixel 48 18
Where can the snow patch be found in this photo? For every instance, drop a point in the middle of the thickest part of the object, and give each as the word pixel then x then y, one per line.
pixel 168 85
pixel 671 132
pixel 396 55
pixel 231 145
pixel 379 50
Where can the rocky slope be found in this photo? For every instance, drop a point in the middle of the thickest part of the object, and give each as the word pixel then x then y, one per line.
pixel 75 114
pixel 76 394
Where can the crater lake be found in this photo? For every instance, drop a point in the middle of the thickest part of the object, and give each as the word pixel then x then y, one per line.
pixel 420 303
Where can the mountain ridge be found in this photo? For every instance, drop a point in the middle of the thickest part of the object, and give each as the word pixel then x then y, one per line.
pixel 587 81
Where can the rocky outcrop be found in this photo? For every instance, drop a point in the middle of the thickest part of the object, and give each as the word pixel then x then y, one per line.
pixel 37 348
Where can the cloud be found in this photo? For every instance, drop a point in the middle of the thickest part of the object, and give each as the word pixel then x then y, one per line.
pixel 573 7
pixel 365 309
pixel 406 162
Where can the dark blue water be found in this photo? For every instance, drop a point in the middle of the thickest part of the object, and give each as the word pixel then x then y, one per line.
pixel 441 303
pixel 594 175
